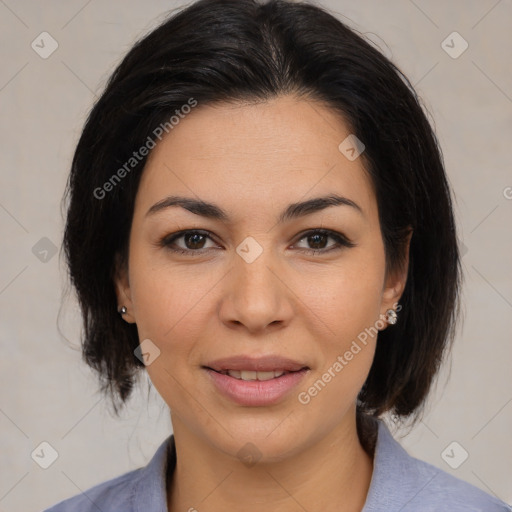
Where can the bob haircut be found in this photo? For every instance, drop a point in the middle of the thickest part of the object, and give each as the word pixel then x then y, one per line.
pixel 217 51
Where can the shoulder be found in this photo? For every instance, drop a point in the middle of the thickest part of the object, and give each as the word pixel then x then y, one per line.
pixel 107 496
pixel 138 490
pixel 436 489
pixel 402 482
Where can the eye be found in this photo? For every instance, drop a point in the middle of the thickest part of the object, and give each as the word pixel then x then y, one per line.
pixel 193 241
pixel 318 239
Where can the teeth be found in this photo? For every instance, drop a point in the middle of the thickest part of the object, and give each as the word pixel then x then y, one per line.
pixel 251 375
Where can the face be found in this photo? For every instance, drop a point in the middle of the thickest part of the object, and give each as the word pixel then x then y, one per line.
pixel 240 278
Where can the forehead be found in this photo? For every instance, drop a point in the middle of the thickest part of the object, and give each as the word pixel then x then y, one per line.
pixel 263 153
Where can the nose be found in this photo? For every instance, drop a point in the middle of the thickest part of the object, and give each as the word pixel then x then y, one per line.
pixel 256 296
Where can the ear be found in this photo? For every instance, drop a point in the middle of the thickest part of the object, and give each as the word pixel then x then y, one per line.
pixel 395 282
pixel 122 286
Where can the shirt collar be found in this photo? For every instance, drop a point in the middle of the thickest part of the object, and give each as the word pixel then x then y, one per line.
pixel 393 468
pixel 391 464
pixel 150 490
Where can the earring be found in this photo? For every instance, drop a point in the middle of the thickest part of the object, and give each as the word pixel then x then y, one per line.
pixel 391 316
pixel 123 310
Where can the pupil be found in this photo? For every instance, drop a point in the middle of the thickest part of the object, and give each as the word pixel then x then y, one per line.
pixel 196 237
pixel 315 243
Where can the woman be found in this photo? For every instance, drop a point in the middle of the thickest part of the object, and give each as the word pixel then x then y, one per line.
pixel 259 217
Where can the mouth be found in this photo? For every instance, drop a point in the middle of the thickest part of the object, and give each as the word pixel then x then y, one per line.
pixel 260 364
pixel 249 375
pixel 256 380
pixel 256 388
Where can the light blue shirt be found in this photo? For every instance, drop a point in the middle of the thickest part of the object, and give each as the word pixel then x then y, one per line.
pixel 400 483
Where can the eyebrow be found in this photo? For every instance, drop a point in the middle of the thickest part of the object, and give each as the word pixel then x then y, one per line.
pixel 292 211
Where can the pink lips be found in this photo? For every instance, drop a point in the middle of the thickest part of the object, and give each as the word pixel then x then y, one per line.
pixel 259 364
pixel 255 392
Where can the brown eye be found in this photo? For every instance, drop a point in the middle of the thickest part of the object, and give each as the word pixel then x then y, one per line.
pixel 317 240
pixel 193 241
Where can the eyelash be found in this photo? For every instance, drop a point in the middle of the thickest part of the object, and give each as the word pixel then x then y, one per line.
pixel 341 241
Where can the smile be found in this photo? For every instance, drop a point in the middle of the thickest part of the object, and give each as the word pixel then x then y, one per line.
pixel 255 388
pixel 252 375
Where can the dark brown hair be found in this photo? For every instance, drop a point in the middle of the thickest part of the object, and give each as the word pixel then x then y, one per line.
pixel 227 50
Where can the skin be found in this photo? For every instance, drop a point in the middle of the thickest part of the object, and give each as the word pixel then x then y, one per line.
pixel 253 160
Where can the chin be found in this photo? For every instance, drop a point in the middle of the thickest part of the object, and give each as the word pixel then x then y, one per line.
pixel 269 439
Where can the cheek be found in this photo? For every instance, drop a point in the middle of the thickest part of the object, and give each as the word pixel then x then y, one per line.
pixel 169 306
pixel 164 295
pixel 174 308
pixel 349 297
pixel 350 308
pixel 166 303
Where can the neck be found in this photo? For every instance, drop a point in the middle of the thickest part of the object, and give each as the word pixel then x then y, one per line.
pixel 332 473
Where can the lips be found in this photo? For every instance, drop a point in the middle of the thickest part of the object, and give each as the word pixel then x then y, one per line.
pixel 256 393
pixel 256 380
pixel 262 364
pixel 252 375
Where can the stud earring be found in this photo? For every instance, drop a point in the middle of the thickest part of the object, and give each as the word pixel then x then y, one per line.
pixel 391 316
pixel 123 310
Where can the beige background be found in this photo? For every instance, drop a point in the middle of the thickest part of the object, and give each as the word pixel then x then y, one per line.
pixel 48 394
